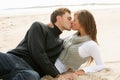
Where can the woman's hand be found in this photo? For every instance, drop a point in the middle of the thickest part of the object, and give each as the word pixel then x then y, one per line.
pixel 67 76
pixel 80 72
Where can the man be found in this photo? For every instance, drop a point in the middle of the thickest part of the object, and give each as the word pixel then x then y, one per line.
pixel 37 52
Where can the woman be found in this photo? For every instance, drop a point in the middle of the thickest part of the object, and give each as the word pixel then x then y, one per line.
pixel 81 46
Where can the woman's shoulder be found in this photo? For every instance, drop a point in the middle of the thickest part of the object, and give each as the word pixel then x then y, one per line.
pixel 90 44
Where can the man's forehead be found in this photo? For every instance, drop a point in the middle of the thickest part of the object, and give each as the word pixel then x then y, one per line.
pixel 67 14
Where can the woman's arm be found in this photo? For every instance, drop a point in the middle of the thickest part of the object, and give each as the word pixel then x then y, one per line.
pixel 91 49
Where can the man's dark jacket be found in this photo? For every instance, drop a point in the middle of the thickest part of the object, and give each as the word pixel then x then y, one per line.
pixel 40 48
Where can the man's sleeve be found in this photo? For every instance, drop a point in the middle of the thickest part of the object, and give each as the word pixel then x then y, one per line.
pixel 36 45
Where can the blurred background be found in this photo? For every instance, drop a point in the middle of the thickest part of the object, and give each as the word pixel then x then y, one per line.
pixel 106 13
pixel 43 6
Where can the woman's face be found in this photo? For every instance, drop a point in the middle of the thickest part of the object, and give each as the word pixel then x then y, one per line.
pixel 75 23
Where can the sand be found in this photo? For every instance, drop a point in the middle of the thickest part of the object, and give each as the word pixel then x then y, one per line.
pixel 13 29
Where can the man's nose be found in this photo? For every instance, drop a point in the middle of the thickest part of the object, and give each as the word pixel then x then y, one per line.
pixel 71 22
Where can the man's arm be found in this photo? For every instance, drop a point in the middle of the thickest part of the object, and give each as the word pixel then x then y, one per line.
pixel 36 45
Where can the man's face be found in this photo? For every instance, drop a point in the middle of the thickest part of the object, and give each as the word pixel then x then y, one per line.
pixel 66 21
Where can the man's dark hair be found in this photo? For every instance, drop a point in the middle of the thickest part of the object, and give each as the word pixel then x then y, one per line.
pixel 58 12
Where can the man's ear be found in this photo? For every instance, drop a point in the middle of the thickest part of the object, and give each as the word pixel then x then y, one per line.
pixel 58 18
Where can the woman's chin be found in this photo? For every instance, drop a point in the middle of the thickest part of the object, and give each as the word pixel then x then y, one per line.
pixel 73 29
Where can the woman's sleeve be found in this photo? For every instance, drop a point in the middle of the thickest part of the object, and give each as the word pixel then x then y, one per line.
pixel 92 49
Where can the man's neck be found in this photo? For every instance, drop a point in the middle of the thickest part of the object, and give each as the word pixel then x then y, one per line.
pixel 60 27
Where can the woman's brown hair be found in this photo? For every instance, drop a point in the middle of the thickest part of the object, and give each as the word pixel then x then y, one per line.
pixel 87 20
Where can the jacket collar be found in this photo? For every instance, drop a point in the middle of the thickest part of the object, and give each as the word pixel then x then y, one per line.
pixel 56 31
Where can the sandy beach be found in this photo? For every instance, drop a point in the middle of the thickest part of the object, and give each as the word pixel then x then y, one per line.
pixel 13 29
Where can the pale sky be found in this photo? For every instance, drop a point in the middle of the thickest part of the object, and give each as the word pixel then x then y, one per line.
pixel 28 3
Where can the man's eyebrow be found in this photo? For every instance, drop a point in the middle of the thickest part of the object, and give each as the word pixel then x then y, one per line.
pixel 69 18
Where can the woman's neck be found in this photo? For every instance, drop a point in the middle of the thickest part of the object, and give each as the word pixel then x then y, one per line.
pixel 82 33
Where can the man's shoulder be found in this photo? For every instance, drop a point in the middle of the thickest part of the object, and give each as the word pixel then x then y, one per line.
pixel 39 25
